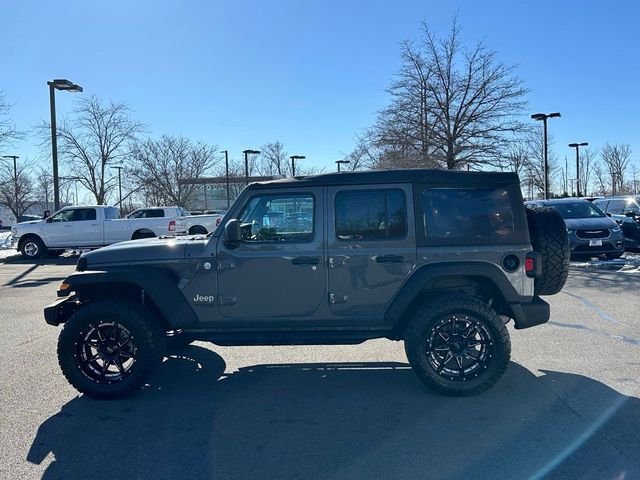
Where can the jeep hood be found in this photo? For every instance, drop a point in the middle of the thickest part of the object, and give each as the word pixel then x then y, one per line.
pixel 144 250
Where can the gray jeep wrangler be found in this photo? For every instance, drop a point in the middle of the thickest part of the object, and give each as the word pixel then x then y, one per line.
pixel 438 259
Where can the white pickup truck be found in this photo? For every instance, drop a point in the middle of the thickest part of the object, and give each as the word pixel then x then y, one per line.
pixel 199 224
pixel 91 227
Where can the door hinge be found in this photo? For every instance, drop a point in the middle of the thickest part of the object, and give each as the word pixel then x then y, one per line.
pixel 338 261
pixel 334 298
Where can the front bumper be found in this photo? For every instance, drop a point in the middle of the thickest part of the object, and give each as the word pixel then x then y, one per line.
pixel 582 246
pixel 530 314
pixel 59 311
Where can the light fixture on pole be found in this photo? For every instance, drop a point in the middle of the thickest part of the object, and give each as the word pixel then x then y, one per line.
pixel 67 86
pixel 543 117
pixel 246 163
pixel 577 147
pixel 342 162
pixel 293 163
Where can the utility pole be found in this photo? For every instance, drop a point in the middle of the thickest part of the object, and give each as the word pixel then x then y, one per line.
pixel 246 163
pixel 341 162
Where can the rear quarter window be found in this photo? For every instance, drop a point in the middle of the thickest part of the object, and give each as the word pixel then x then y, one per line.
pixel 467 215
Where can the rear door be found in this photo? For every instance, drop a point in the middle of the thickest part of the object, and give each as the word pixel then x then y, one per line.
pixel 87 230
pixel 371 247
pixel 277 272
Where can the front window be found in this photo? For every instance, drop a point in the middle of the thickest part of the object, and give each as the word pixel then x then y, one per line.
pixel 278 218
pixel 63 216
pixel 577 210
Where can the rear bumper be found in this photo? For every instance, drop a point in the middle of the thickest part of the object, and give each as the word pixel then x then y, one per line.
pixel 530 314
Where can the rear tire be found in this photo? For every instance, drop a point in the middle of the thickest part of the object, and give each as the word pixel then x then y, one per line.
pixel 548 234
pixel 33 248
pixel 457 345
pixel 197 230
pixel 108 349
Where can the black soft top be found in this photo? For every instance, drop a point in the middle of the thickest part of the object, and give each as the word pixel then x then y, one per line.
pixel 408 175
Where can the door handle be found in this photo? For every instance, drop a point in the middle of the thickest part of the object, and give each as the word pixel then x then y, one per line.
pixel 306 261
pixel 389 259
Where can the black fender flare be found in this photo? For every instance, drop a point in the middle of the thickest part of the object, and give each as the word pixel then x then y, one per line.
pixel 413 286
pixel 158 285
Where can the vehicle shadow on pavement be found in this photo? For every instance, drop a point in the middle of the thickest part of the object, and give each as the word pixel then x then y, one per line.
pixel 331 420
pixel 19 260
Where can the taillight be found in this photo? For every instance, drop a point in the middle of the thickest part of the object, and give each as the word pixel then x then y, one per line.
pixel 532 265
pixel 172 225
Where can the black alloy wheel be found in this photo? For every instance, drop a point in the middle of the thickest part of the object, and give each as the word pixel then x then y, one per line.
pixel 459 347
pixel 107 353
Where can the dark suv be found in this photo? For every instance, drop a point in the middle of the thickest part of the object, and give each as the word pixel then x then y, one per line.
pixel 440 260
pixel 626 211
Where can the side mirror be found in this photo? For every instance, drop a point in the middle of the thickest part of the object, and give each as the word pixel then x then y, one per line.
pixel 608 214
pixel 232 232
pixel 630 214
pixel 48 220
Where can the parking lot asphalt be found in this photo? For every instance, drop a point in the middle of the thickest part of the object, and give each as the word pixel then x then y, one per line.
pixel 568 406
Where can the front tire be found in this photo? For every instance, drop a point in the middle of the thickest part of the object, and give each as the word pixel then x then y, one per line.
pixel 33 248
pixel 457 345
pixel 108 349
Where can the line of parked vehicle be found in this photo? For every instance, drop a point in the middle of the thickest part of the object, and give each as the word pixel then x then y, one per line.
pixel 599 227
pixel 89 227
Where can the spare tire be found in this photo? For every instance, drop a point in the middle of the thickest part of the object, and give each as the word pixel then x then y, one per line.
pixel 548 234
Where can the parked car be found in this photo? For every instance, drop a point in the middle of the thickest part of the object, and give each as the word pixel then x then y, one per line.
pixel 626 211
pixel 157 212
pixel 87 227
pixel 590 231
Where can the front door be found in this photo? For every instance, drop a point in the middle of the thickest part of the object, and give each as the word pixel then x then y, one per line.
pixel 371 247
pixel 59 229
pixel 278 270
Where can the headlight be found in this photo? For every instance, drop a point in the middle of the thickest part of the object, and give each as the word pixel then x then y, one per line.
pixel 616 228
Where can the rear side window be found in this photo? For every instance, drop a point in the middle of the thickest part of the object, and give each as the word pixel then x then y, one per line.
pixel 84 214
pixel 602 205
pixel 155 213
pixel 467 215
pixel 370 215
pixel 111 214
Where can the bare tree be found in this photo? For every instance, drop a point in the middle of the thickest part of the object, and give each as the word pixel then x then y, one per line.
pixel 587 164
pixel 160 164
pixel 601 179
pixel 97 136
pixel 273 160
pixel 616 159
pixel 8 131
pixel 535 168
pixel 43 185
pixel 16 187
pixel 451 106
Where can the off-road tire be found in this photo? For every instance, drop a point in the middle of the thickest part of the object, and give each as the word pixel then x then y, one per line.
pixel 467 311
pixel 548 234
pixel 33 248
pixel 147 337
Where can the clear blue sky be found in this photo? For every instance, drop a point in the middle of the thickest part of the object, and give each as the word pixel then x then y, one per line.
pixel 310 73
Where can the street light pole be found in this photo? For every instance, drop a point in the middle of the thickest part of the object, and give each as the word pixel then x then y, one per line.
pixel 544 117
pixel 577 147
pixel 15 173
pixel 57 84
pixel 226 173
pixel 246 163
pixel 293 163
pixel 341 162
pixel 119 168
